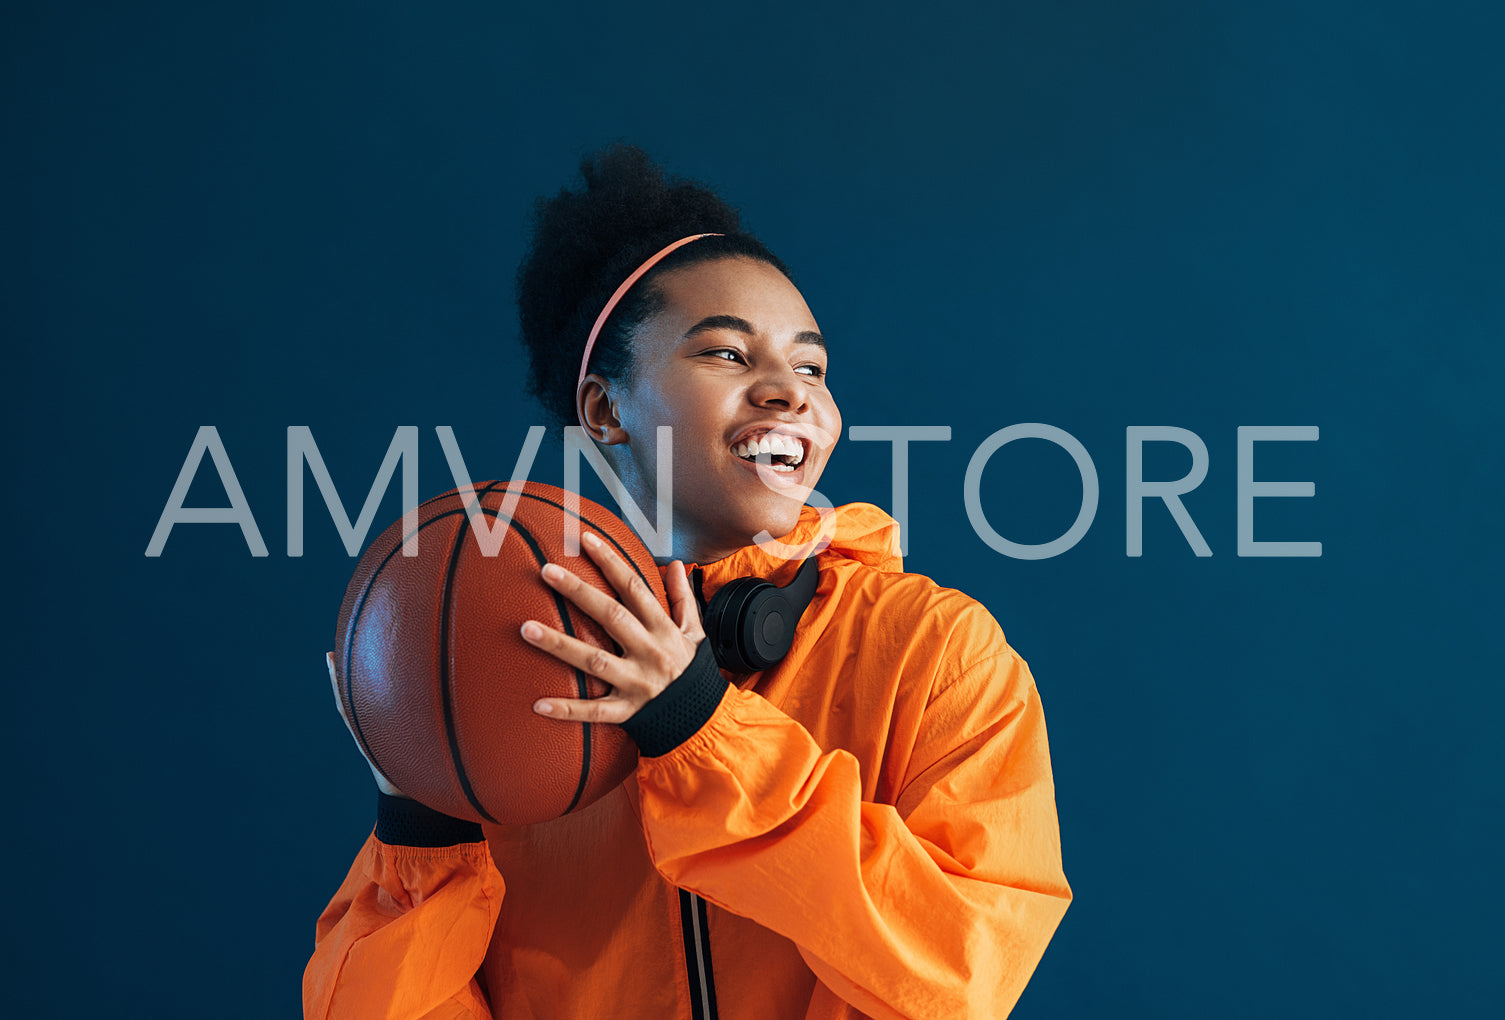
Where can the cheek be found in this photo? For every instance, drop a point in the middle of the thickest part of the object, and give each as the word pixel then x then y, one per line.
pixel 703 416
pixel 647 409
pixel 693 435
pixel 831 421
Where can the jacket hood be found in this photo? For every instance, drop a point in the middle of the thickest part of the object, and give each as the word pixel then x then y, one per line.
pixel 854 531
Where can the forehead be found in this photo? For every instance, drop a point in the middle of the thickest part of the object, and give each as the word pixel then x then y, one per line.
pixel 737 287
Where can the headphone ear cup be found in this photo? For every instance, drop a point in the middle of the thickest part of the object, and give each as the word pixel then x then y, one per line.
pixel 768 625
pixel 751 622
pixel 726 622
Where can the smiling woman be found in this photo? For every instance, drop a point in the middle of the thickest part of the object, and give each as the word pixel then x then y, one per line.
pixel 865 827
pixel 733 358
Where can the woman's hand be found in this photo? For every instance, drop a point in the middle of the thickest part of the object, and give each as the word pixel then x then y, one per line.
pixel 656 648
pixel 339 703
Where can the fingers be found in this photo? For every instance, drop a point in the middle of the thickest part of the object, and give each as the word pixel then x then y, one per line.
pixel 654 646
pixel 334 686
pixel 596 710
pixel 382 782
pixel 614 618
pixel 597 662
pixel 632 589
pixel 334 682
pixel 611 708
pixel 632 621
pixel 682 602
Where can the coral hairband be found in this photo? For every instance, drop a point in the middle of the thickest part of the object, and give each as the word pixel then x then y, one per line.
pixel 611 305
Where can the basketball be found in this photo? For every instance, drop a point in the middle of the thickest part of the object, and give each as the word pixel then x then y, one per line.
pixel 439 684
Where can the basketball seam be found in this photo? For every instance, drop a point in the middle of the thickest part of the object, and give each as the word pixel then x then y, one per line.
pixel 631 561
pixel 580 686
pixel 446 672
pixel 603 532
pixel 355 618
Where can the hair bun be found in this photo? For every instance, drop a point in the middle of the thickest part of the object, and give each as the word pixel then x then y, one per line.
pixel 585 242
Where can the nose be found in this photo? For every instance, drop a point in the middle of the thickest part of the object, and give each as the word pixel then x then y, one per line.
pixel 779 385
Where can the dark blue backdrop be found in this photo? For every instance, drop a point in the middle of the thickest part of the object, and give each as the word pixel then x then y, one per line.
pixel 1279 780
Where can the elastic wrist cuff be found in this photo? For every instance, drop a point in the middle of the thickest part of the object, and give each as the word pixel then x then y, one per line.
pixel 404 822
pixel 681 709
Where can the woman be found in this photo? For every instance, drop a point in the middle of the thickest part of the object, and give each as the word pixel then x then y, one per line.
pixel 866 828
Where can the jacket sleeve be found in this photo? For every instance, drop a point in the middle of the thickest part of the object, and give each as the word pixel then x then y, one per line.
pixel 939 905
pixel 405 935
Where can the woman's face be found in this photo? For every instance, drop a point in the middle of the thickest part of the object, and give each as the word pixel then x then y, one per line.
pixel 734 355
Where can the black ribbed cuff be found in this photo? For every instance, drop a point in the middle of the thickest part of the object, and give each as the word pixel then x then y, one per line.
pixel 680 709
pixel 404 822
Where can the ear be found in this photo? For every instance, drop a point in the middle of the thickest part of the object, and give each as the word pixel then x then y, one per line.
pixel 594 406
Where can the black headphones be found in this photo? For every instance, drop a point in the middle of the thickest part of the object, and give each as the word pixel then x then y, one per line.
pixel 750 622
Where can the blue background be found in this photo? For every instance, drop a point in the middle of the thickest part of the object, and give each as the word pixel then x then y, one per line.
pixel 1279 780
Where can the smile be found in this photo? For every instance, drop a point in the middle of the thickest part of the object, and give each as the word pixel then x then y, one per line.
pixel 782 463
pixel 780 452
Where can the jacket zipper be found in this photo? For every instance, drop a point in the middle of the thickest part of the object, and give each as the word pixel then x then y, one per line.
pixel 693 918
pixel 698 969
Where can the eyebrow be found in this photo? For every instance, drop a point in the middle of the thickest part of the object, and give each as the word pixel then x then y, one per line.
pixel 740 325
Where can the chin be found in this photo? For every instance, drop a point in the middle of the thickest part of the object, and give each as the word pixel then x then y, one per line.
pixel 743 529
pixel 779 520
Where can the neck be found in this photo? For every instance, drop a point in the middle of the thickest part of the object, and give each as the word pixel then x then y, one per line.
pixel 688 544
pixel 693 548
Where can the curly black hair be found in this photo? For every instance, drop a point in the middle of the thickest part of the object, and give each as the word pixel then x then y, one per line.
pixel 585 243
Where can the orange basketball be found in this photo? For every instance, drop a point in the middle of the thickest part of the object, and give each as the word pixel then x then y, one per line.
pixel 437 680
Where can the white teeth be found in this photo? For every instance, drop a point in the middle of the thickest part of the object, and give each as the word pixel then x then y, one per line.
pixel 772 445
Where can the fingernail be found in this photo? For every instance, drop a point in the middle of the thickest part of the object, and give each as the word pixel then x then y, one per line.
pixel 590 539
pixel 543 708
pixel 532 631
pixel 553 571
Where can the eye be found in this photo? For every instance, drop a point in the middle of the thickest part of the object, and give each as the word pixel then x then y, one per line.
pixel 724 353
pixel 816 371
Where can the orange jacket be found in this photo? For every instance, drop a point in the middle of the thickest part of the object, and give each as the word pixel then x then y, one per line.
pixel 868 829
